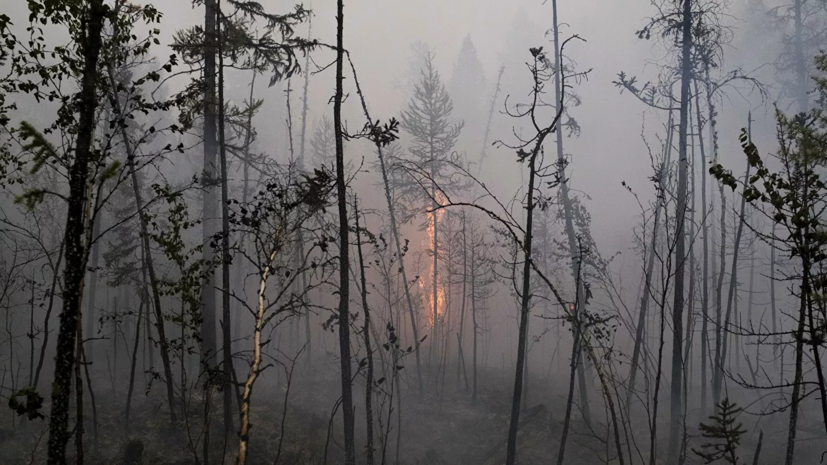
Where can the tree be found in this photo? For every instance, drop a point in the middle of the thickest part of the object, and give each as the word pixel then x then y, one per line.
pixel 344 245
pixel 230 36
pixel 209 346
pixel 466 85
pixel 518 232
pixel 88 164
pixel 564 195
pixel 542 71
pixel 89 44
pixel 723 428
pixel 272 220
pixel 792 198
pixel 427 119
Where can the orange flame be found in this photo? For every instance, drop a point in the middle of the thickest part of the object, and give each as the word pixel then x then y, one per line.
pixel 427 284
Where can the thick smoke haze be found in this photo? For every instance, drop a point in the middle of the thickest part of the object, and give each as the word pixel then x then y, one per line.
pixel 422 232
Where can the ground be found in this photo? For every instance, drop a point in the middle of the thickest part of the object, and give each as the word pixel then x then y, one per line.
pixel 438 428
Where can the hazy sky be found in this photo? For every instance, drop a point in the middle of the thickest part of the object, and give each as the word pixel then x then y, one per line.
pixel 610 150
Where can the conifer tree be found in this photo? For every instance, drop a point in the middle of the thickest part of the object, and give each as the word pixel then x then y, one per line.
pixel 428 120
pixel 724 433
pixel 467 87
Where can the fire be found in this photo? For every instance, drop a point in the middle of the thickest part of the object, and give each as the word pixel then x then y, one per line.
pixel 426 284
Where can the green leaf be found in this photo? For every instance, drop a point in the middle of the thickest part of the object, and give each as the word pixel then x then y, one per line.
pixel 111 171
pixel 41 148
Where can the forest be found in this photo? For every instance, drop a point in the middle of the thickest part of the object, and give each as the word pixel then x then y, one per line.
pixel 373 232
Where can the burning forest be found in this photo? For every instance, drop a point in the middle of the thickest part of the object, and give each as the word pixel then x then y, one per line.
pixel 402 233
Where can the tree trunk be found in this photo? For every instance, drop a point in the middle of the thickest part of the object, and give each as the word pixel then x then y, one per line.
pixel 460 355
pixel 307 332
pixel 568 215
pixel 368 349
pixel 733 282
pixel 146 253
pixel 134 363
pixel 401 258
pixel 800 60
pixel 795 398
pixel 575 356
pixel 31 333
pixel 75 251
pixel 490 118
pixel 95 435
pixel 344 263
pixel 676 418
pixel 255 366
pixel 705 276
pixel 225 247
pixel 79 427
pixel 525 296
pixel 47 317
pixel 777 336
pixel 474 322
pixel 93 282
pixel 208 180
pixel 719 299
pixel 434 285
pixel 646 292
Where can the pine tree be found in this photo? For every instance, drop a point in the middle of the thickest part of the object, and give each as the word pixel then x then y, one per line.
pixel 724 435
pixel 467 88
pixel 428 120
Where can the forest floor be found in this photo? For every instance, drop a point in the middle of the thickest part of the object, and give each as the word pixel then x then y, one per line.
pixel 439 428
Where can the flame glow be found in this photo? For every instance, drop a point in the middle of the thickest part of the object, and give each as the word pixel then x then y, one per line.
pixel 426 284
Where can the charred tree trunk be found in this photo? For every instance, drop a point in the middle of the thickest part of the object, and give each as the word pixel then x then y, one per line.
pixel 525 295
pixel 79 427
pixel 225 248
pixel 344 262
pixel 368 349
pixel 208 180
